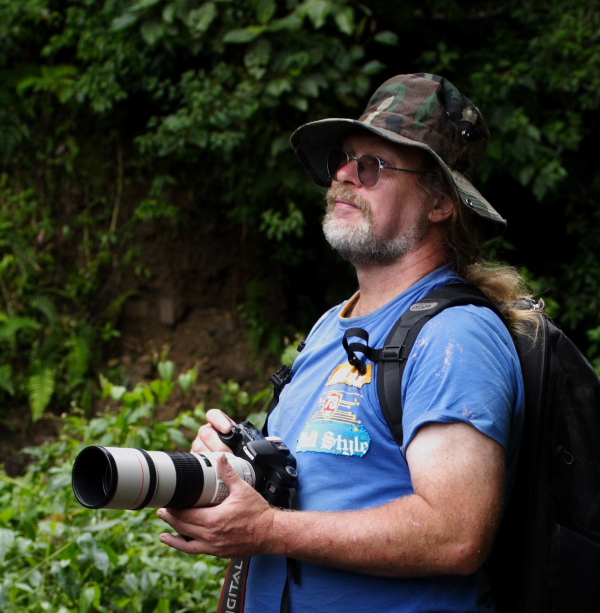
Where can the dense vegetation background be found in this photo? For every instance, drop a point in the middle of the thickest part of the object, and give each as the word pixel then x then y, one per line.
pixel 149 198
pixel 150 140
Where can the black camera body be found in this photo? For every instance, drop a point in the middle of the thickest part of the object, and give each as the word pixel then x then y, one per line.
pixel 128 478
pixel 273 463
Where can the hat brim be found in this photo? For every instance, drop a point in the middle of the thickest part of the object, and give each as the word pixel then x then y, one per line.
pixel 313 142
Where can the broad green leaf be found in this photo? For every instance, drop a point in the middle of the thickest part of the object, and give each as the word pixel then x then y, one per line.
pixel 185 380
pixel 90 596
pixel 152 32
pixel 123 22
pixel 7 539
pixel 344 19
pixel 162 389
pixel 201 18
pixel 166 370
pixel 145 4
pixel 243 35
pixel 265 9
pixel 387 37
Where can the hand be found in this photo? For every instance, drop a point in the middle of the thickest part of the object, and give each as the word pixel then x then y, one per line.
pixel 207 438
pixel 240 526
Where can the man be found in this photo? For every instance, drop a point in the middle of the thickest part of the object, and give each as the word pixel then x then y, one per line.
pixel 379 527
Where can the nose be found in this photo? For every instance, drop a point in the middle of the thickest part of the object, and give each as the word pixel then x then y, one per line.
pixel 348 172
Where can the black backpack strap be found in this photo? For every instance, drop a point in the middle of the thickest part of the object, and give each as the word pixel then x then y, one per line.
pixel 400 341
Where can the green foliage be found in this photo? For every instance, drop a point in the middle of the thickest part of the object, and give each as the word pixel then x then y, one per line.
pixel 101 100
pixel 114 112
pixel 240 404
pixel 49 334
pixel 58 556
pixel 290 353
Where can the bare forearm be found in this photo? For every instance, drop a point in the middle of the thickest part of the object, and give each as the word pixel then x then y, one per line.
pixel 403 538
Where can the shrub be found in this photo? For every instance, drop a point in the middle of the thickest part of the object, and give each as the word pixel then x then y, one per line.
pixel 58 556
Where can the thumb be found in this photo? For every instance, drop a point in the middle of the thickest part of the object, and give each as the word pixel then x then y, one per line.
pixel 228 474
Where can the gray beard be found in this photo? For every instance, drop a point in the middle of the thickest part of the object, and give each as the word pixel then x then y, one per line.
pixel 361 247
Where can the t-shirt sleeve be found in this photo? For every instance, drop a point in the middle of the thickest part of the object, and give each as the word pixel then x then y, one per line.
pixel 463 367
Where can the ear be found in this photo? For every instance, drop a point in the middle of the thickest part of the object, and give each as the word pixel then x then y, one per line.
pixel 442 209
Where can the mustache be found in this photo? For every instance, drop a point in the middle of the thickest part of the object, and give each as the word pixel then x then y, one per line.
pixel 346 193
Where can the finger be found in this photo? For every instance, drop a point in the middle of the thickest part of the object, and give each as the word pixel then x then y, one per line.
pixel 208 440
pixel 228 474
pixel 219 420
pixel 186 531
pixel 198 445
pixel 175 541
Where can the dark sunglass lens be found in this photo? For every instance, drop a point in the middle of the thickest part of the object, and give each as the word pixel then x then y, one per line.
pixel 368 170
pixel 335 160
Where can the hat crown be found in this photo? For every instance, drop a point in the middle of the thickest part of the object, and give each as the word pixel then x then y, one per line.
pixel 428 109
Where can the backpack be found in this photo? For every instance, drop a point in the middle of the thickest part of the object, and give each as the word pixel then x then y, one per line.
pixel 546 557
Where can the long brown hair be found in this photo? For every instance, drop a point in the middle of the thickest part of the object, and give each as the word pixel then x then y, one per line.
pixel 501 283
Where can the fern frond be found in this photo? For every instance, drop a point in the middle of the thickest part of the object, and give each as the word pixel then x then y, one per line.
pixel 78 359
pixel 40 388
pixel 6 379
pixel 46 306
pixel 9 326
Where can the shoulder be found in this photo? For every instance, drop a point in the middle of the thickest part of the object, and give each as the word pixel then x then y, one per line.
pixel 327 319
pixel 475 328
pixel 463 366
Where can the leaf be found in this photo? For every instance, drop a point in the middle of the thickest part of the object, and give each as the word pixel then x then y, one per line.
pixel 166 370
pixel 40 388
pixel 265 9
pixel 6 379
pixel 161 389
pixel 345 20
pixel 94 552
pixel 145 4
pixel 178 438
pixel 103 525
pixel 387 38
pixel 7 539
pixel 152 32
pixel 200 19
pixel 243 35
pixel 88 597
pixel 117 392
pixel 123 22
pixel 45 305
pixel 289 355
pixel 78 359
pixel 12 325
pixel 187 421
pixel 186 380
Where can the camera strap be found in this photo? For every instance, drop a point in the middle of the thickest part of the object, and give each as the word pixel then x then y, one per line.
pixel 233 594
pixel 234 588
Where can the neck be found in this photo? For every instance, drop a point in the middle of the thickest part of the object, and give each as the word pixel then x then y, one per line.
pixel 380 284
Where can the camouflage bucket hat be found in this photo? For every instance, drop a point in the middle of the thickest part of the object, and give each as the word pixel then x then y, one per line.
pixel 419 110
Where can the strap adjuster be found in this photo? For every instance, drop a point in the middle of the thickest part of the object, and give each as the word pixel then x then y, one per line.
pixel 391 353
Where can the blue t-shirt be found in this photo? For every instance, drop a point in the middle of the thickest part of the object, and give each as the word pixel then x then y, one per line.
pixel 463 368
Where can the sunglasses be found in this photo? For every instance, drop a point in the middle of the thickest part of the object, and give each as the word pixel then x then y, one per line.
pixel 368 166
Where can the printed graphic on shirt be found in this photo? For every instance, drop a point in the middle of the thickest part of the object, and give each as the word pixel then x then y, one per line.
pixel 332 429
pixel 349 375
